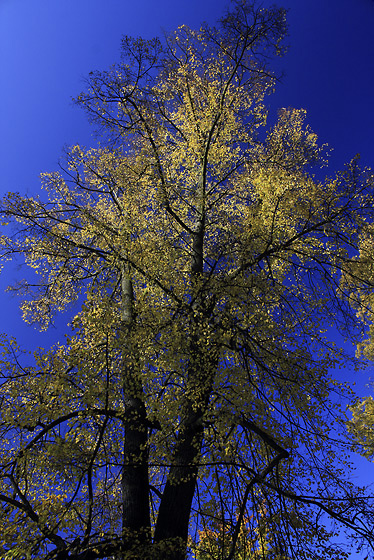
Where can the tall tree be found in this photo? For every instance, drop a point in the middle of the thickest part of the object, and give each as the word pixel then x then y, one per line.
pixel 208 262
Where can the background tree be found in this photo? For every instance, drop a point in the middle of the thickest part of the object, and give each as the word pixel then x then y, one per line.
pixel 255 541
pixel 208 263
pixel 361 426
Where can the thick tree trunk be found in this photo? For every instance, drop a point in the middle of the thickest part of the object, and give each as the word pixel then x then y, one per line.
pixel 175 506
pixel 135 482
pixel 136 525
pixel 171 531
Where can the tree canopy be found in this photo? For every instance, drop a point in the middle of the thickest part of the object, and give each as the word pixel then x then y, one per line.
pixel 192 393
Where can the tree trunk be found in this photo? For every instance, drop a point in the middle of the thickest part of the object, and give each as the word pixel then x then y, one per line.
pixel 136 524
pixel 175 507
pixel 135 482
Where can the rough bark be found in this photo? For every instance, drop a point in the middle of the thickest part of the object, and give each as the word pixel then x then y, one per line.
pixel 135 478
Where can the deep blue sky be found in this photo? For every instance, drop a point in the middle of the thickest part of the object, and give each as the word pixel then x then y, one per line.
pixel 47 47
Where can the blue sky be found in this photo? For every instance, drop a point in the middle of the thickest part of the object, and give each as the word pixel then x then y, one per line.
pixel 47 47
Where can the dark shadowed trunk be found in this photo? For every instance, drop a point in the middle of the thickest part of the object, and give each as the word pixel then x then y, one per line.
pixel 135 480
pixel 175 507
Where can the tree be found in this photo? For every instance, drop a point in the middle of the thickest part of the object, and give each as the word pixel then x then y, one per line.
pixel 207 263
